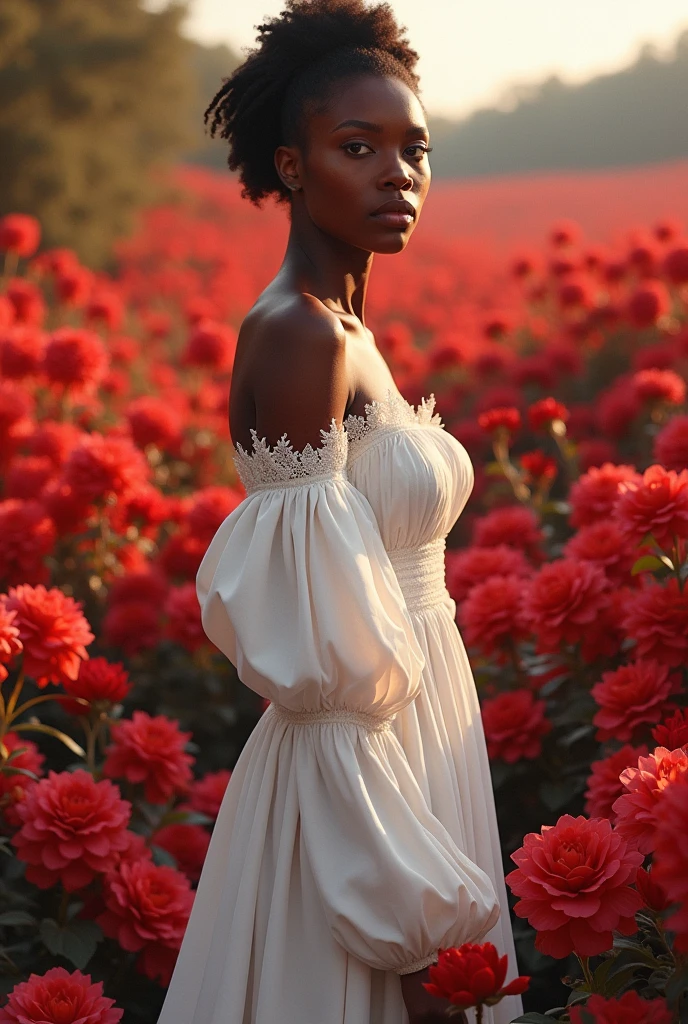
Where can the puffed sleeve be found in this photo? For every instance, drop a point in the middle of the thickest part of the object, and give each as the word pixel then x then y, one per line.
pixel 298 591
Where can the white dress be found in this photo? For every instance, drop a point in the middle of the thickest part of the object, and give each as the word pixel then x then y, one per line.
pixel 358 833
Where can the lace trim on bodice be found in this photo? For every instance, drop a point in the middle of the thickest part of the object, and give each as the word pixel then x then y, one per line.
pixel 281 466
pixel 383 416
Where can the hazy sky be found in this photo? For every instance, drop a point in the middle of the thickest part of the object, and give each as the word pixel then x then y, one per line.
pixel 470 52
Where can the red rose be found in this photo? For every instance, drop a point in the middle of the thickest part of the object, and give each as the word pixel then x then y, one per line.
pixel 575 882
pixel 14 787
pixel 99 682
pixel 649 302
pixel 514 725
pixel 670 867
pixel 673 732
pixel 594 495
pixel 46 998
pixel 631 696
pixel 503 418
pixel 563 600
pixel 472 974
pixel 188 844
pixel 148 909
pixel 21 352
pixel 655 385
pixel 27 535
pixel 53 631
pixel 211 345
pixel 207 793
pixel 644 785
pixel 99 467
pixel 657 618
pixel 514 525
pixel 545 412
pixel 150 751
pixel 604 784
pixel 20 234
pixel 10 641
pixel 604 545
pixel 656 504
pixel 75 358
pixel 628 1009
pixel 466 568
pixel 184 617
pixel 490 615
pixel 154 421
pixel 72 829
pixel 209 509
pixel 671 444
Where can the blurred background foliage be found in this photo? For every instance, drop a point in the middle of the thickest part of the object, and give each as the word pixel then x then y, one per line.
pixel 98 96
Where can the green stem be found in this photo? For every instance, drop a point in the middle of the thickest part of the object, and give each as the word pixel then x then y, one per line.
pixel 584 961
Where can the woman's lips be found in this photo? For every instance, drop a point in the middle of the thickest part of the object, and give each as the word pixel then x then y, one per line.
pixel 394 220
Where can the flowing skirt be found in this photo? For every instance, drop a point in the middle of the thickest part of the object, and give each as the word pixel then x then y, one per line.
pixel 257 948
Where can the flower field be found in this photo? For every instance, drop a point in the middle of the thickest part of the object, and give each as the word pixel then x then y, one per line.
pixel 561 365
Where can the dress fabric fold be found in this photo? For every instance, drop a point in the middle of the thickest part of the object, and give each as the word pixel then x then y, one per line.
pixel 335 864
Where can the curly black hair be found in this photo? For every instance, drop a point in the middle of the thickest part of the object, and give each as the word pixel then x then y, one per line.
pixel 303 52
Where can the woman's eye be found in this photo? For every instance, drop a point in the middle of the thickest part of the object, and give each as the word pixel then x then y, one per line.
pixel 347 144
pixel 423 149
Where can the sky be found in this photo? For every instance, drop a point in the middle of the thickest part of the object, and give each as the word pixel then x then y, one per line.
pixel 473 51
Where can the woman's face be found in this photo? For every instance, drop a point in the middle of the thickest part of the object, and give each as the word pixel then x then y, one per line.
pixel 351 169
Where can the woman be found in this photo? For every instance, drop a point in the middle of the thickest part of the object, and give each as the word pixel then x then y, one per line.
pixel 357 835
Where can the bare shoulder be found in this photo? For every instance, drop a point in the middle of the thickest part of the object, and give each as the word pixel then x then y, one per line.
pixel 298 370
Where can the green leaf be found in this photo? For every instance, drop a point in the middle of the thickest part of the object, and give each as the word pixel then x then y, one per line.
pixel 186 818
pixel 556 795
pixel 163 857
pixel 10 770
pixel 76 941
pixel 648 563
pixel 16 918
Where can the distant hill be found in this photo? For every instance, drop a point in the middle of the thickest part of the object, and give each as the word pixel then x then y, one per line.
pixel 631 117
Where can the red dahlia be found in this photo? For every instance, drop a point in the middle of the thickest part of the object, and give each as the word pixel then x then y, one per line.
pixel 150 750
pixel 53 631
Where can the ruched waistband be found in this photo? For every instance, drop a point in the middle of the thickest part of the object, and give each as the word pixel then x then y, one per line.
pixel 374 723
pixel 421 573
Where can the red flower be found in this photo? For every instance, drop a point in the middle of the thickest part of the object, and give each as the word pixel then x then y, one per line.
pixel 99 682
pixel 207 793
pixel 184 617
pixel 503 418
pixel 211 345
pixel 604 784
pixel 27 301
pixel 671 444
pixel 150 751
pixel 654 896
pixel 675 265
pixel 209 509
pixel 617 408
pixel 542 414
pixel 656 504
pixel 72 829
pixel 670 867
pixel 514 725
pixel 472 974
pixel 490 615
pixel 182 555
pixel 539 468
pixel 27 535
pixel 603 544
pixel 563 600
pixel 576 293
pixel 564 233
pixel 148 909
pixel 513 525
pixel 655 386
pixel 10 642
pixel 99 467
pixel 575 882
pixel 648 303
pixel 149 587
pixel 105 305
pixel 133 626
pixel 48 997
pixel 27 476
pixel 188 844
pixel 54 440
pixel 14 787
pixel 629 697
pixel 154 421
pixel 73 285
pixel 673 732
pixel 20 234
pixel 52 629
pixel 657 619
pixel 595 494
pixel 594 452
pixel 21 351
pixel 635 808
pixel 75 358
pixel 465 569
pixel 628 1009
